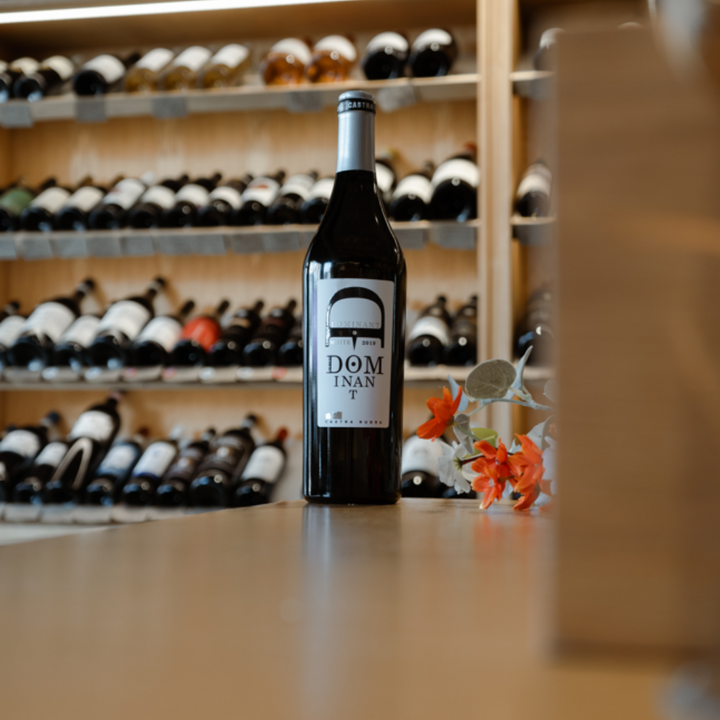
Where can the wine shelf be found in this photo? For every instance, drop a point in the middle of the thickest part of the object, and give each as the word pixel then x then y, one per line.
pixel 533 84
pixel 534 230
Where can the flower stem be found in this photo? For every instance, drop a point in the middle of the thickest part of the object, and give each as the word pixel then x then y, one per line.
pixel 530 404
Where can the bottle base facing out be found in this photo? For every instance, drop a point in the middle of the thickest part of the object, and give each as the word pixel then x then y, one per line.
pixel 320 500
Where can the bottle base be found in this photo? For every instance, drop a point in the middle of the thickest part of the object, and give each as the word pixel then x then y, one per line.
pixel 319 500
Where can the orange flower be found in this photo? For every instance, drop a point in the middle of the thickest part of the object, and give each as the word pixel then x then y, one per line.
pixel 528 471
pixel 444 415
pixel 493 471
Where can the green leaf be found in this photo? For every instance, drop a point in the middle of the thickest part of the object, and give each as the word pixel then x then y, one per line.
pixel 490 379
pixel 486 434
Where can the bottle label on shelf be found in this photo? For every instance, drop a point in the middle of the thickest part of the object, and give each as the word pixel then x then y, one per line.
pixel 51 199
pixel 159 195
pixel 192 58
pixel 352 340
pixel 22 442
pixel 203 330
pixel 299 185
pixel 338 44
pixel 120 457
pixel 263 190
pixel 110 67
pixel 52 454
pixel 10 329
pixel 266 463
pixel 537 179
pixel 61 65
pixel 392 40
pixel 85 198
pixel 194 194
pixel 155 60
pixel 163 330
pixel 295 47
pixel 25 65
pixel 417 185
pixel 82 331
pixel 125 193
pixel 50 319
pixel 421 455
pixel 433 36
pixel 16 200
pixel 385 178
pixel 156 459
pixel 322 188
pixel 125 316
pixel 227 194
pixel 432 326
pixel 230 55
pixel 93 424
pixel 459 168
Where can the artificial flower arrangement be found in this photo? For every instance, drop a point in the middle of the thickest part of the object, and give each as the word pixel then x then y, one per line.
pixel 480 460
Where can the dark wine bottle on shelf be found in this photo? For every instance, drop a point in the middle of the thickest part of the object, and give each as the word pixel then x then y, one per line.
pixel 462 346
pixel 274 328
pixel 114 470
pixel 75 213
pixel 112 212
pixel 9 309
pixel 262 472
pixel 70 349
pixel 313 209
pixel 385 56
pixel 257 198
pixel 119 327
pixel 286 62
pixel 218 472
pixel 48 79
pixel 429 335
pixel 47 322
pixel 102 74
pixel 28 491
pixel 332 60
pixel 187 201
pixel 412 196
pixel 545 57
pixel 225 198
pixel 536 329
pixel 143 76
pixel 10 73
pixel 291 351
pixel 10 329
pixel 452 494
pixel 153 202
pixel 419 468
pixel 158 338
pixel 385 174
pixel 227 351
pixel 455 187
pixel 173 490
pixel 533 194
pixel 225 68
pixel 354 284
pixel 90 438
pixel 182 72
pixel 285 209
pixel 39 215
pixel 433 53
pixel 197 337
pixel 12 202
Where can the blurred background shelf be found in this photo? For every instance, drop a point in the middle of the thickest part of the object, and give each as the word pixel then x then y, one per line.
pixel 533 84
pixel 533 230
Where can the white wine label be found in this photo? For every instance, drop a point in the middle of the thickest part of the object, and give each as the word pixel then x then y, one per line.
pixel 230 55
pixel 52 454
pixel 338 44
pixel 194 194
pixel 459 168
pixel 352 348
pixel 537 179
pixel 263 190
pixel 159 195
pixel 93 424
pixel 51 199
pixel 430 37
pixel 266 463
pixel 392 40
pixel 85 198
pixel 163 330
pixel 118 458
pixel 292 46
pixel 82 331
pixel 417 185
pixel 385 178
pixel 193 58
pixel 51 319
pixel 155 60
pixel 10 329
pixel 156 459
pixel 25 65
pixel 322 189
pixel 125 316
pixel 22 442
pixel 61 65
pixel 108 66
pixel 420 455
pixel 229 195
pixel 125 194
pixel 300 185
pixel 432 326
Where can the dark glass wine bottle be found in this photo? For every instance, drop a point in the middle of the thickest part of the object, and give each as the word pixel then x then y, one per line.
pixel 313 209
pixel 354 285
pixel 462 346
pixel 119 327
pixel 48 79
pixel 429 335
pixel 153 202
pixel 385 174
pixel 39 215
pixel 419 468
pixel 112 212
pixel 197 337
pixel 412 195
pixel 536 329
pixel 47 322
pixel 10 329
pixel 259 195
pixel 262 472
pixel 187 202
pixel 9 309
pixel 450 493
pixel 102 74
pixel 12 202
pixel 157 339
pixel 385 56
pixel 28 491
pixel 227 351
pixel 533 194
pixel 222 201
pixel 455 187
pixel 433 53
pixel 291 351
pixel 218 472
pixel 75 213
pixel 10 73
pixel 70 349
pixel 285 209
pixel 274 328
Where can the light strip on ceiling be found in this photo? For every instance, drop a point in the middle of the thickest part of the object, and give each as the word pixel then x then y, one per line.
pixel 139 9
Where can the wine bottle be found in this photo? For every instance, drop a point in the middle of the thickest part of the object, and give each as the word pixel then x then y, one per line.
pixel 419 468
pixel 157 339
pixel 114 470
pixel 48 79
pixel 274 328
pixel 197 337
pixel 433 53
pixel 385 174
pixel 102 74
pixel 47 322
pixel 450 493
pixel 218 472
pixel 12 72
pixel 28 491
pixel 227 351
pixel 285 209
pixel 257 198
pixel 10 329
pixel 545 57
pixel 332 59
pixel 182 72
pixel 412 196
pixel 462 347
pixel 385 56
pixel 90 438
pixel 354 283
pixel 153 202
pixel 12 202
pixel 38 216
pixel 9 309
pixel 187 201
pixel 429 335
pixel 173 490
pixel 225 68
pixel 70 349
pixel 262 472
pixel 291 351
pixel 533 194
pixel 143 76
pixel 112 212
pixel 285 63
pixel 313 209
pixel 536 329
pixel 455 186
pixel 75 213
pixel 222 201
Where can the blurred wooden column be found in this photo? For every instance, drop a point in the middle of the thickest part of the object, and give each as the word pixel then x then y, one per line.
pixel 639 362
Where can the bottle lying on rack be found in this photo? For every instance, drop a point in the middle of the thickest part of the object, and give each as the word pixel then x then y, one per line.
pixel 536 329
pixel 262 472
pixel 225 68
pixel 75 213
pixel 285 209
pixel 112 212
pixel 28 490
pixel 225 198
pixel 332 59
pixel 10 329
pixel 227 351
pixel 545 56
pixel 71 348
pixel 102 74
pixel 153 202
pixel 385 56
pixel 385 174
pixel 285 63
pixel 290 353
pixel 274 329
pixel 461 349
pixel 433 53
pixel 39 215
pixel 49 78
pixel 10 73
pixel 197 337
pixel 143 76
pixel 411 197
pixel 429 335
pixel 419 468
pixel 455 187
pixel 182 72
pixel 187 201
pixel 313 209
pixel 257 198
pixel 173 490
pixel 14 200
pixel 158 338
pixel 533 194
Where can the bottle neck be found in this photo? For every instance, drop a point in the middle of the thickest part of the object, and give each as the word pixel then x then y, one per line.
pixel 356 141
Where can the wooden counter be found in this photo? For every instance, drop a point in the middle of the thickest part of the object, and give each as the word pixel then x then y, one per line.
pixel 428 609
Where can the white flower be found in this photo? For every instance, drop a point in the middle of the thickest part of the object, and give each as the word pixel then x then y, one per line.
pixel 449 468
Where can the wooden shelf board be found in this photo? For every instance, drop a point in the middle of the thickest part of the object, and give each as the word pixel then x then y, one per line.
pixel 533 84
pixel 533 230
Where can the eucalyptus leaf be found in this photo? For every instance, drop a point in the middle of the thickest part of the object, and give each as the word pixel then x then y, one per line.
pixel 486 434
pixel 490 379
